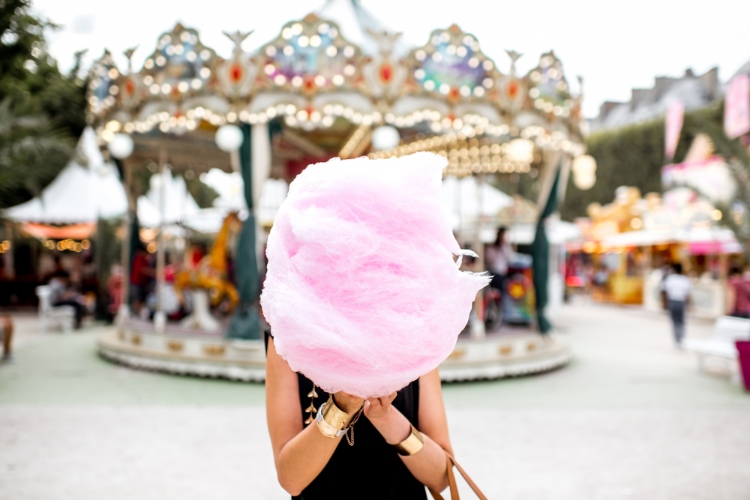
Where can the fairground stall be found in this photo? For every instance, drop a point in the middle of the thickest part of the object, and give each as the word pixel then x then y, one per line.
pixel 335 83
pixel 631 243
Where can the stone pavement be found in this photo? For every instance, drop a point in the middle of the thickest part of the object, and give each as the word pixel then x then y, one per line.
pixel 630 417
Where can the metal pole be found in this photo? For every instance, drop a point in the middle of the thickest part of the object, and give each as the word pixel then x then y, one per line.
pixel 477 328
pixel 160 318
pixel 123 312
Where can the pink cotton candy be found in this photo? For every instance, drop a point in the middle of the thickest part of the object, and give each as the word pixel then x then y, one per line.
pixel 363 292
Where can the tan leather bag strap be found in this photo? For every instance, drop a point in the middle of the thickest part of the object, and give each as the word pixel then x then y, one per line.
pixel 452 481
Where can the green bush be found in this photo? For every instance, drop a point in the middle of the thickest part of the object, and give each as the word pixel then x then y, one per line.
pixel 633 156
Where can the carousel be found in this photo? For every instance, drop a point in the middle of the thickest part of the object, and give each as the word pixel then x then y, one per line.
pixel 336 83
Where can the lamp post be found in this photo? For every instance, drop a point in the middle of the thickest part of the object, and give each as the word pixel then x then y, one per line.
pixel 121 147
pixel 160 317
pixel 584 172
pixel 385 137
pixel 229 139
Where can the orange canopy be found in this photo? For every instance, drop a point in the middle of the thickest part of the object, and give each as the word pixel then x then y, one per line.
pixel 73 231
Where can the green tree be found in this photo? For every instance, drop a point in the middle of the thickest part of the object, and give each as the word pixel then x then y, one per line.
pixel 203 193
pixel 32 152
pixel 30 77
pixel 46 106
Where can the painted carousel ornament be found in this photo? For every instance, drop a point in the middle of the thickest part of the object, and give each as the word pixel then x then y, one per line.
pixel 103 90
pixel 131 85
pixel 452 66
pixel 513 90
pixel 550 92
pixel 311 57
pixel 236 76
pixel 383 72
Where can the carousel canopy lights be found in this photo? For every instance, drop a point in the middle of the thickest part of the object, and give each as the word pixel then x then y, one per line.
pixel 121 146
pixel 385 137
pixel 584 172
pixel 521 150
pixel 229 138
pixel 310 77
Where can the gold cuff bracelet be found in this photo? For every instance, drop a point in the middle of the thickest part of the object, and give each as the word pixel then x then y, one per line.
pixel 331 420
pixel 412 444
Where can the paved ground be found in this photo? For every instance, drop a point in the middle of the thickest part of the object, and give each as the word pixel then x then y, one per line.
pixel 629 418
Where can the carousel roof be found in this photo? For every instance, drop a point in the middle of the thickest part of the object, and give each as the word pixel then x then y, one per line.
pixel 339 64
pixel 361 27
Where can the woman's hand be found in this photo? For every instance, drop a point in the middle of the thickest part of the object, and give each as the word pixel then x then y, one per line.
pixel 348 403
pixel 378 408
pixel 390 422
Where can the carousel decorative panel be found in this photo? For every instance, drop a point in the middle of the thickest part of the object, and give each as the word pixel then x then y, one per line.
pixel 310 56
pixel 451 65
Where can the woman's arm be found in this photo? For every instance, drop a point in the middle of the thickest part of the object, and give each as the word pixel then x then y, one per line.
pixel 299 453
pixel 428 465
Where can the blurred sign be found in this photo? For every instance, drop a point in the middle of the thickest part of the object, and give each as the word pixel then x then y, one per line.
pixel 737 107
pixel 710 178
pixel 675 116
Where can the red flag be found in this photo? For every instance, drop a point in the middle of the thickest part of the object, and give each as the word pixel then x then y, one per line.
pixel 737 107
pixel 675 117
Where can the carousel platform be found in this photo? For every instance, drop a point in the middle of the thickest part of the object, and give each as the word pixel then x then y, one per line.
pixel 182 351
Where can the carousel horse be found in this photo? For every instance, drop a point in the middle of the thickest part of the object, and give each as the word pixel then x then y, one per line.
pixel 211 273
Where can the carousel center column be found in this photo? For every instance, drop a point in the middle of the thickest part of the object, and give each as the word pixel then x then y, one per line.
pixel 121 147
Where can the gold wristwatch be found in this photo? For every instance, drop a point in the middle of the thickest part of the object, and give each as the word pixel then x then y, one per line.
pixel 412 444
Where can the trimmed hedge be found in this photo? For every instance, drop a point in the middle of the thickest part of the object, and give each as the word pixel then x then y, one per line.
pixel 633 156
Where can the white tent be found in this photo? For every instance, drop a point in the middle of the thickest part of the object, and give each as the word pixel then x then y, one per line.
pixel 178 204
pixel 558 232
pixel 470 202
pixel 717 237
pixel 273 194
pixel 79 193
pixel 230 188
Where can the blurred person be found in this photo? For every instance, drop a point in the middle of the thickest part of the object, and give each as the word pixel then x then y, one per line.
pixel 497 258
pixel 599 281
pixel 170 301
pixel 739 292
pixel 64 294
pixel 6 334
pixel 142 274
pixel 677 287
pixel 114 289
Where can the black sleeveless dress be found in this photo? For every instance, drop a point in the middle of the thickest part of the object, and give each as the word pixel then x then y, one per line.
pixel 371 469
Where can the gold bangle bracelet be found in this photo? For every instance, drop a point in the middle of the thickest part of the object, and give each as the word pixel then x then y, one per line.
pixel 411 445
pixel 331 419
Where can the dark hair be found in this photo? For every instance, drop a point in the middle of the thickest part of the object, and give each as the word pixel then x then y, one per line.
pixel 500 235
pixel 677 268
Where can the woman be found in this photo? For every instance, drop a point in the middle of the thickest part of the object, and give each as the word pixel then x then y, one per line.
pixel 739 296
pixel 384 456
pixel 498 257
